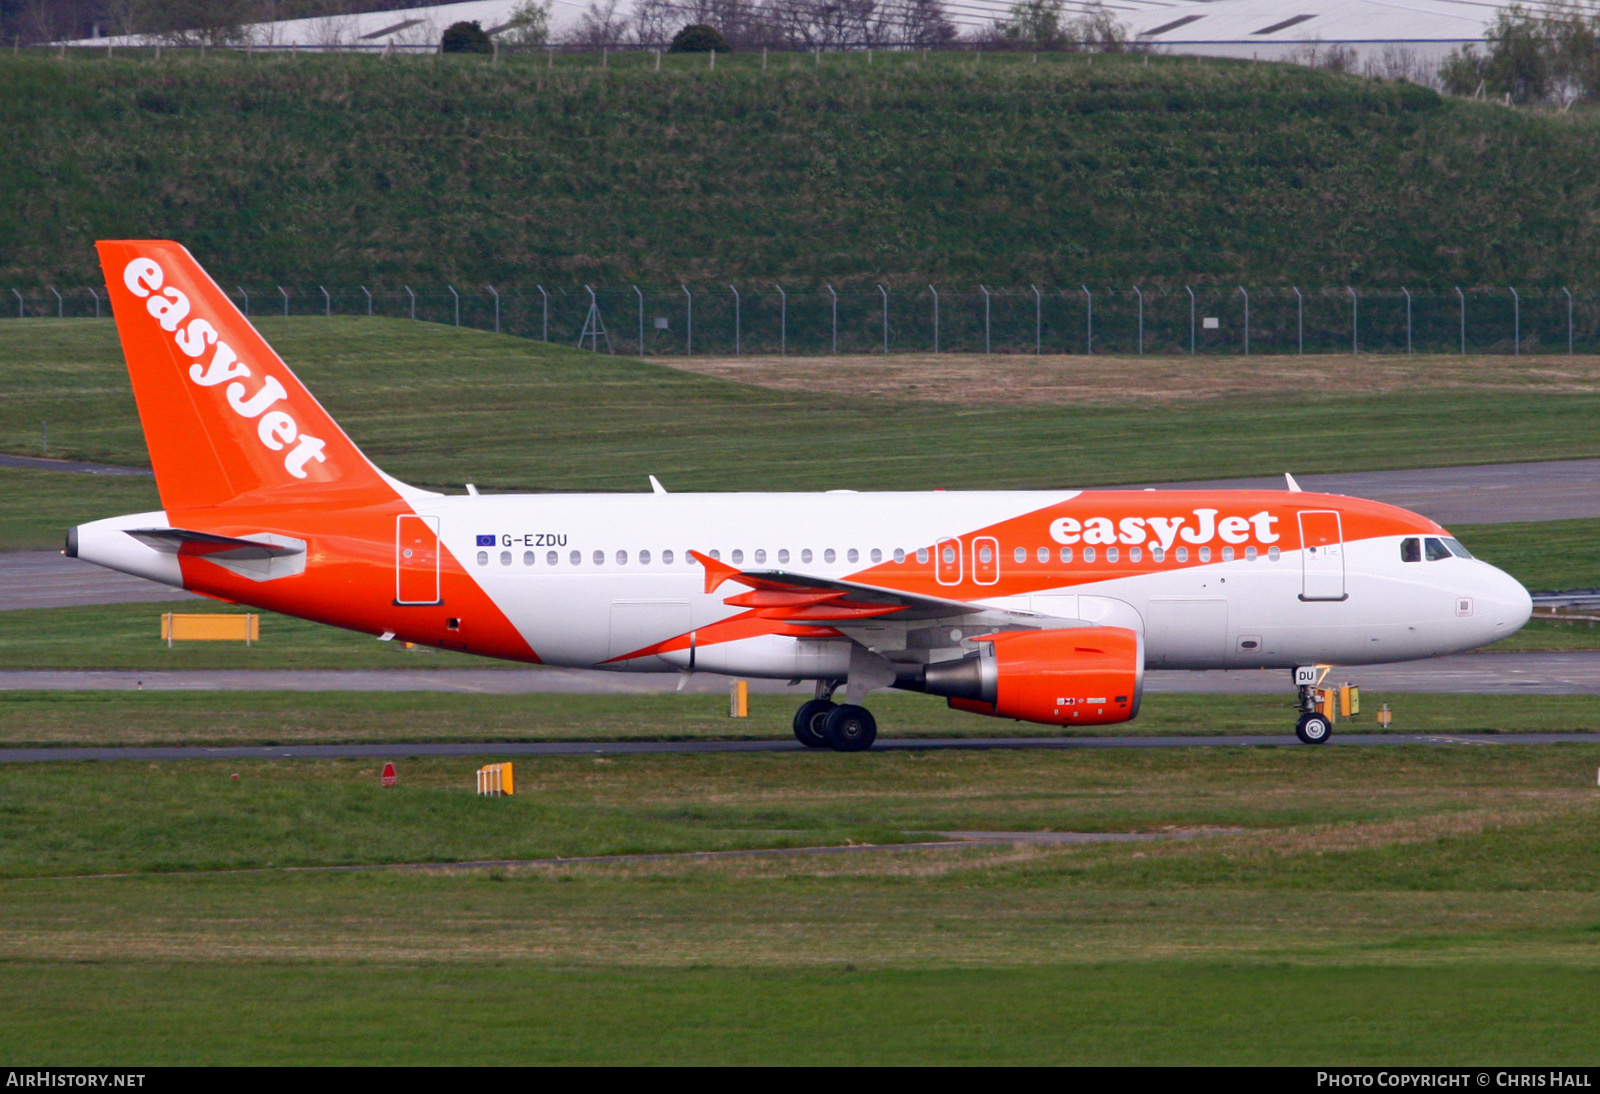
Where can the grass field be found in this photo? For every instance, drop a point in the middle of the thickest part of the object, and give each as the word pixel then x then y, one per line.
pixel 1425 905
pixel 509 414
pixel 1070 168
pixel 51 718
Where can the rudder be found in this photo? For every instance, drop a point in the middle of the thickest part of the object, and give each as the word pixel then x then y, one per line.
pixel 223 416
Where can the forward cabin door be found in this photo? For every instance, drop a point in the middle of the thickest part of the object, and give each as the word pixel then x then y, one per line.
pixel 1321 556
pixel 416 560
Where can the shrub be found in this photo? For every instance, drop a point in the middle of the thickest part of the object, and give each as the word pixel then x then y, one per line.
pixel 465 38
pixel 699 38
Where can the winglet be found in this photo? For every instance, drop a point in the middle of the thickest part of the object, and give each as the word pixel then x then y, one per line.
pixel 1294 487
pixel 656 487
pixel 717 573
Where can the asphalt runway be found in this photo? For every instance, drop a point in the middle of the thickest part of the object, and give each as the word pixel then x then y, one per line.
pixel 400 749
pixel 1497 493
pixel 49 579
pixel 1515 673
pixel 44 463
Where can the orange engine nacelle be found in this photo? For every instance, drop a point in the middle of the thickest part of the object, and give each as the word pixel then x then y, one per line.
pixel 1086 676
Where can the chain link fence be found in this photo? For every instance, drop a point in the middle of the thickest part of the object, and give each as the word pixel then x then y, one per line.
pixel 772 319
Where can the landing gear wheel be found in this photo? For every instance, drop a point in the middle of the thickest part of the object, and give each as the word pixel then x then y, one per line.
pixel 850 728
pixel 1313 729
pixel 808 723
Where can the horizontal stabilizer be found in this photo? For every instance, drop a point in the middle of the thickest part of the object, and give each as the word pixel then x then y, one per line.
pixel 183 541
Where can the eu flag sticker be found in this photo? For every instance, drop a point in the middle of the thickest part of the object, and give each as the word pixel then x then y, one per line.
pixel 486 541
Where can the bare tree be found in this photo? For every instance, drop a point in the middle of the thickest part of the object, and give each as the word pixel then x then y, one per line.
pixel 599 25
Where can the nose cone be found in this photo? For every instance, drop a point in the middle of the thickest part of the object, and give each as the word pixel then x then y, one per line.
pixel 1503 603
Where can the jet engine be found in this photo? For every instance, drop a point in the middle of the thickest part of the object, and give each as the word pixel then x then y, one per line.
pixel 1085 676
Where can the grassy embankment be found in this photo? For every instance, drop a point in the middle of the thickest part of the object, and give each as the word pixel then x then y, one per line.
pixel 1432 905
pixel 1106 170
pixel 441 407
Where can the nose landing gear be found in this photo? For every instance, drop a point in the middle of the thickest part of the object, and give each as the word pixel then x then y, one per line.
pixel 1313 728
pixel 844 727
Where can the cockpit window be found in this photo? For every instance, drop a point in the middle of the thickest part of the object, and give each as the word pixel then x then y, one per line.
pixel 1456 548
pixel 1436 549
pixel 1411 550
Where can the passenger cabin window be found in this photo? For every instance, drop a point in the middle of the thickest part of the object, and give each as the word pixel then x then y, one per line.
pixel 1020 555
pixel 552 558
pixel 828 555
pixel 644 558
pixel 1411 550
pixel 922 554
pixel 527 558
pixel 805 554
pixel 899 554
pixel 877 554
pixel 761 554
pixel 852 555
pixel 666 558
pixel 577 558
pixel 1434 549
pixel 1066 554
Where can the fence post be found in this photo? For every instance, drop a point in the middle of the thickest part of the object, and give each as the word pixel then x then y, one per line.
pixel 246 300
pixel 1300 320
pixel 1355 322
pixel 369 301
pixel 1140 295
pixel 285 293
pixel 1516 322
pixel 783 321
pixel 1038 321
pixel 545 330
pixel 413 301
pixel 457 296
pixel 735 321
pixel 1089 349
pixel 1246 321
pixel 492 289
pixel 1408 317
pixel 835 298
pixel 1568 320
pixel 931 289
pixel 885 293
pixel 636 292
pixel 327 303
pixel 1463 297
pixel 1190 291
pixel 21 304
pixel 97 300
pixel 688 326
pixel 61 312
pixel 985 318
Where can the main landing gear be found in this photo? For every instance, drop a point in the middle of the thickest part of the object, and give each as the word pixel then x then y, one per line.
pixel 843 727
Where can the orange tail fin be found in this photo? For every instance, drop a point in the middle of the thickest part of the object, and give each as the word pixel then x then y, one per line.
pixel 223 416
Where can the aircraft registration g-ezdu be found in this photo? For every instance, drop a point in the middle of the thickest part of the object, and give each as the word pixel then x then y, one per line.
pixel 1043 606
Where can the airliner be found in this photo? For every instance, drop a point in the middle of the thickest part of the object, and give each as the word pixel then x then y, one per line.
pixel 1040 606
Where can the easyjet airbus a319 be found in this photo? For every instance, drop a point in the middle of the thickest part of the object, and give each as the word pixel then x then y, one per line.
pixel 1044 606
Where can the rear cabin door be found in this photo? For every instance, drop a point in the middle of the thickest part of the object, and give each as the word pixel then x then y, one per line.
pixel 1321 556
pixel 416 560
